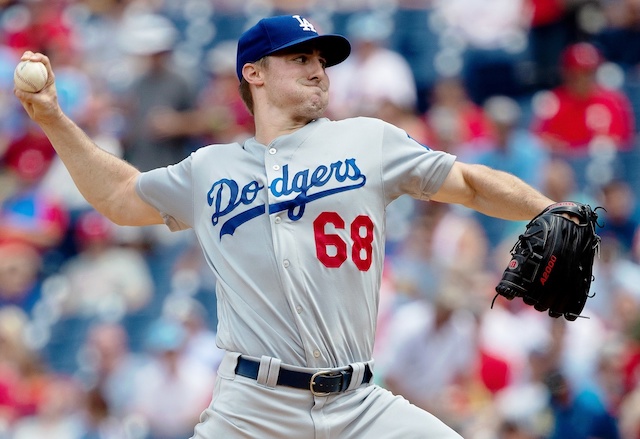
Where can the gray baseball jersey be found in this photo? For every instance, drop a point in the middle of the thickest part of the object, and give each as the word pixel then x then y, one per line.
pixel 294 232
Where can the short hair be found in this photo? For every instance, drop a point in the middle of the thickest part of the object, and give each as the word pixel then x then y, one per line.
pixel 245 95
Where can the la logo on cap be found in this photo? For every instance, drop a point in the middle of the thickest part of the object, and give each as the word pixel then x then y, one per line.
pixel 304 24
pixel 273 34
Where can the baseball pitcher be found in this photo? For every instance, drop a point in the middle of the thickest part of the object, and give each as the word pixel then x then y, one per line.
pixel 292 223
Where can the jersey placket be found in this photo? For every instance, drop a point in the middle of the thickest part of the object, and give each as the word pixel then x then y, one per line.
pixel 286 244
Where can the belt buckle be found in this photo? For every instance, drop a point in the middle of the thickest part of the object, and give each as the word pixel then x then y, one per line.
pixel 312 382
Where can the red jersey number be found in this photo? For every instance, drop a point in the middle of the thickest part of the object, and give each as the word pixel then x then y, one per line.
pixel 333 251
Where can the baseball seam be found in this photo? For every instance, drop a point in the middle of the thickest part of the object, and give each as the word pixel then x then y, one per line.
pixel 28 82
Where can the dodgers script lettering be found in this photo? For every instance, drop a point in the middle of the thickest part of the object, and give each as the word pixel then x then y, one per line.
pixel 226 196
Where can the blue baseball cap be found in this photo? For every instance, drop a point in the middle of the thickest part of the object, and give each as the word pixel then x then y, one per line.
pixel 273 34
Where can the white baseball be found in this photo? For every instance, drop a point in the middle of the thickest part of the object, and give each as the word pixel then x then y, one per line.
pixel 30 76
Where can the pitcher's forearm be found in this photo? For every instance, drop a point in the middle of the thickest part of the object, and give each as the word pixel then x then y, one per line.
pixel 504 195
pixel 492 192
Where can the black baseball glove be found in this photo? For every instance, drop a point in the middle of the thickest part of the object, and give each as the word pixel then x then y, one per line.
pixel 552 261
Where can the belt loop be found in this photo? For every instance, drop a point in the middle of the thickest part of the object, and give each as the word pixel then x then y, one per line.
pixel 268 371
pixel 357 375
pixel 227 366
pixel 274 372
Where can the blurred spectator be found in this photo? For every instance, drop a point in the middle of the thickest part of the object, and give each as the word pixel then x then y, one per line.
pixel 109 366
pixel 575 418
pixel 555 24
pixel 26 214
pixel 559 182
pixel 388 303
pixel 431 358
pixel 459 240
pixel 620 43
pixel 220 116
pixel 630 416
pixel 629 410
pixel 616 284
pixel 104 279
pixel 57 413
pixel 514 430
pixel 200 343
pixel 172 389
pixel 381 74
pixel 490 42
pixel 74 85
pixel 151 39
pixel 37 26
pixel 607 390
pixel 580 116
pixel 193 283
pixel 417 37
pixel 632 355
pixel 291 6
pixel 575 351
pixel 510 148
pixel 634 254
pixel 620 216
pixel 95 24
pixel 21 370
pixel 226 116
pixel 620 39
pixel 548 35
pixel 453 120
pixel 20 275
pixel 12 122
pixel 517 333
pixel 521 405
pixel 510 332
pixel 415 267
pixel 405 118
pixel 97 421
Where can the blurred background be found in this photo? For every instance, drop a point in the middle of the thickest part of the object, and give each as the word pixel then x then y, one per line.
pixel 109 332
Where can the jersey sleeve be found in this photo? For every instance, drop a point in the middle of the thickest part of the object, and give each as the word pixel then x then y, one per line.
pixel 408 167
pixel 170 191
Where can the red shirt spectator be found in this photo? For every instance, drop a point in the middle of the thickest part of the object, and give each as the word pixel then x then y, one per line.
pixel 26 214
pixel 544 12
pixel 43 28
pixel 580 112
pixel 453 120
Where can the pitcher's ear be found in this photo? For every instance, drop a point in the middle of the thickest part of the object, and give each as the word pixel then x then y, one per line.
pixel 252 73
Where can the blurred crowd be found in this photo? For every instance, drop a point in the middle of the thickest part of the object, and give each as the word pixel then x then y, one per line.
pixel 108 332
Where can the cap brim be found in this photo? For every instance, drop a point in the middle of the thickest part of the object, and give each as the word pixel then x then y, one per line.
pixel 334 48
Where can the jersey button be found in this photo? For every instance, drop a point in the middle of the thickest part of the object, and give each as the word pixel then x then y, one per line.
pixel 299 309
pixel 316 353
pixel 285 263
pixel 278 220
pixel 276 167
pixel 272 151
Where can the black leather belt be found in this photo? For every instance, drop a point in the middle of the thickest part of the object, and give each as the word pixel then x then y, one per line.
pixel 321 383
